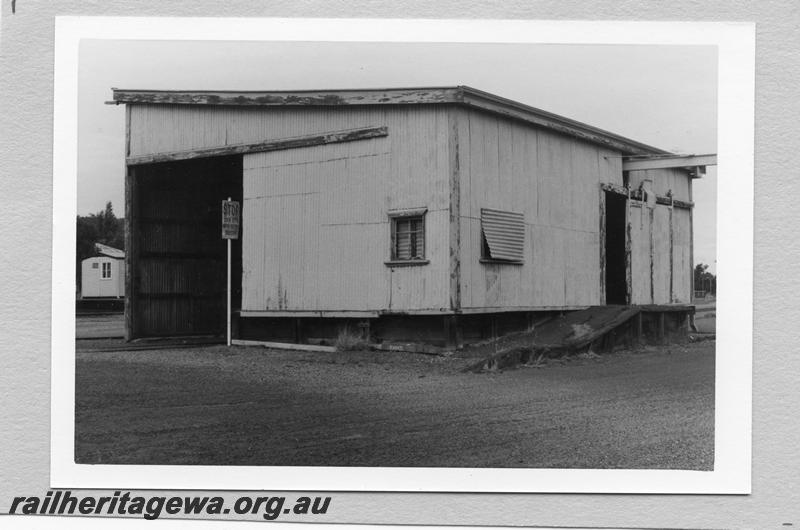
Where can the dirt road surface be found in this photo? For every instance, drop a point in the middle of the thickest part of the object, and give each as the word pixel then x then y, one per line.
pixel 650 409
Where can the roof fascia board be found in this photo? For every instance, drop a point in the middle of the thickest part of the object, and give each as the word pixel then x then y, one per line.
pixel 461 95
pixel 411 96
pixel 667 162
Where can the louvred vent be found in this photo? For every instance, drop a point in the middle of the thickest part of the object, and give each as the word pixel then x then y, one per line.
pixel 504 233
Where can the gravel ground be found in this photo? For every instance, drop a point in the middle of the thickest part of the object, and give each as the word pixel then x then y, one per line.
pixel 99 326
pixel 706 322
pixel 651 409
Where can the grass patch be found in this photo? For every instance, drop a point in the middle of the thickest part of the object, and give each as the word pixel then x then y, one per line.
pixel 350 340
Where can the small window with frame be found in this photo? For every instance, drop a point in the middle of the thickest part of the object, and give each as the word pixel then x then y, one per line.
pixel 105 272
pixel 407 237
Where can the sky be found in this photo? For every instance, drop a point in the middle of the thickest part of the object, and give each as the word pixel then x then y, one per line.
pixel 664 96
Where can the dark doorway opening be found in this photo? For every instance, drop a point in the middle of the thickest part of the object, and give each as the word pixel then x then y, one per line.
pixel 178 278
pixel 616 266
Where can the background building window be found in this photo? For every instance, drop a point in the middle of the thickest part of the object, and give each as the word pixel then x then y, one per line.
pixel 105 273
pixel 408 235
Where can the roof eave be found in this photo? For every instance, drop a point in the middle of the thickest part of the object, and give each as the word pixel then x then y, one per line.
pixel 460 95
pixel 554 122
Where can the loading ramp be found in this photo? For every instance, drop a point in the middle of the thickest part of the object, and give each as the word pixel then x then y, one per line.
pixel 597 329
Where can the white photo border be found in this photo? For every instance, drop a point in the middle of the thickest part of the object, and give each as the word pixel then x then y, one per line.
pixel 735 42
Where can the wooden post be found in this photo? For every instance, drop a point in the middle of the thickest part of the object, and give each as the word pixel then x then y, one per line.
pixel 366 332
pixel 628 250
pixel 639 333
pixel 671 249
pixel 454 209
pixel 131 220
pixel 494 332
pixel 235 327
pixel 447 330
pixel 651 216
pixel 298 331
pixel 130 237
pixel 691 250
pixel 661 328
pixel 603 236
pixel 455 332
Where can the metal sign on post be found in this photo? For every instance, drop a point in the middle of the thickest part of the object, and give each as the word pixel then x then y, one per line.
pixel 230 219
pixel 230 230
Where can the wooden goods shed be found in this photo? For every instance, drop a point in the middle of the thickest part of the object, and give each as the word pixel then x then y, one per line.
pixel 432 214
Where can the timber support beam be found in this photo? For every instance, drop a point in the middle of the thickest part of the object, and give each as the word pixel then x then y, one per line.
pixel 636 195
pixel 281 144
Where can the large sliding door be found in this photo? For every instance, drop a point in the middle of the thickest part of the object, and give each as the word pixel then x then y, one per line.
pixel 178 278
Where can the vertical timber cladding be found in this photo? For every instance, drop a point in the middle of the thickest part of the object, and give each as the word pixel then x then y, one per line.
pixel 179 271
pixel 641 252
pixel 682 257
pixel 315 220
pixel 553 180
pixel 316 233
pixel 661 239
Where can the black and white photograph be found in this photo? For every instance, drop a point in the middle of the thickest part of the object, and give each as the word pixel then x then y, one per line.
pixel 383 255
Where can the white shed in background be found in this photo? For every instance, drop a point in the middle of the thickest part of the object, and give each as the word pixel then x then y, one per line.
pixel 103 276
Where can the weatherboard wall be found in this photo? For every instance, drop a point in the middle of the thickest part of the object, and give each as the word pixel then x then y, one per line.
pixel 316 232
pixel 663 181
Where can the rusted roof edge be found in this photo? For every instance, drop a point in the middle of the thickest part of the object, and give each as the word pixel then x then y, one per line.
pixel 462 95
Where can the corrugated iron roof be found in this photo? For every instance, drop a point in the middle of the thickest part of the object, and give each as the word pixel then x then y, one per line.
pixel 111 252
pixel 455 95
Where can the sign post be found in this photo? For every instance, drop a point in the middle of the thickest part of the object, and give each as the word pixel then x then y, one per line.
pixel 230 230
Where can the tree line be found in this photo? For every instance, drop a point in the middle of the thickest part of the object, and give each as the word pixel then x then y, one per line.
pixel 704 280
